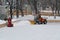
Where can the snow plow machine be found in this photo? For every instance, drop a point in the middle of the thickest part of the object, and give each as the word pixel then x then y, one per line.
pixel 39 20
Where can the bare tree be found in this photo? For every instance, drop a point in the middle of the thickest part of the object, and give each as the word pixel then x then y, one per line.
pixel 17 8
pixel 21 7
pixel 11 8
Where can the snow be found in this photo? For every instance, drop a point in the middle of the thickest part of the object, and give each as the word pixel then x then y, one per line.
pixel 24 22
pixel 46 11
pixel 2 21
pixel 23 30
pixel 26 17
pixel 31 17
pixel 51 17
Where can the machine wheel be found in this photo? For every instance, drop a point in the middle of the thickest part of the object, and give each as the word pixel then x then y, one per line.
pixel 45 22
pixel 40 23
pixel 37 22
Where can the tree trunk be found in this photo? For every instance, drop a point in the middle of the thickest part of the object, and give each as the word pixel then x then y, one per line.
pixel 11 10
pixel 35 6
pixel 21 3
pixel 58 13
pixel 17 9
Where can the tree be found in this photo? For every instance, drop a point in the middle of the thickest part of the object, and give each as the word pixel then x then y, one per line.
pixel 53 5
pixel 58 7
pixel 17 8
pixel 21 6
pixel 33 4
pixel 11 8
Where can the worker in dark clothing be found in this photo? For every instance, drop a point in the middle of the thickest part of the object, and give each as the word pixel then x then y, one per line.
pixel 37 18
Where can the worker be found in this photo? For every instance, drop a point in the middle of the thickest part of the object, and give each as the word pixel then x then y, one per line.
pixel 36 17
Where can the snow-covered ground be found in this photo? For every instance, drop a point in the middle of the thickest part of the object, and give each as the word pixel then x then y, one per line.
pixel 2 21
pixel 23 30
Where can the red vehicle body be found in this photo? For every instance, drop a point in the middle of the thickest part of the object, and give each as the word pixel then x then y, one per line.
pixel 42 20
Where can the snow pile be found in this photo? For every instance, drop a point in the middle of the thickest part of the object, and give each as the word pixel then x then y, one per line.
pixel 2 21
pixel 26 17
pixel 31 17
pixel 46 11
pixel 24 22
pixel 16 19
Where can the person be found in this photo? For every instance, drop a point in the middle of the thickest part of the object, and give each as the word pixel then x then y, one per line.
pixel 36 19
pixel 39 15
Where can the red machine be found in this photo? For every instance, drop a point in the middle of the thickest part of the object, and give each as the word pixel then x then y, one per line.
pixel 42 20
pixel 9 22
